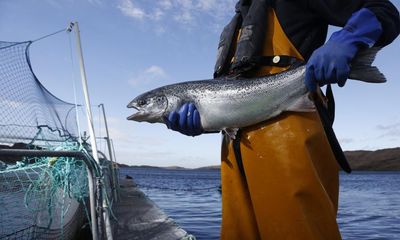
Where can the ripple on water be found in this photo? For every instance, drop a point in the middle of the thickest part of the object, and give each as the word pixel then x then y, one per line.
pixel 369 204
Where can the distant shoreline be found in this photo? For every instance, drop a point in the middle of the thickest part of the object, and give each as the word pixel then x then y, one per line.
pixel 379 160
pixel 216 167
pixel 360 160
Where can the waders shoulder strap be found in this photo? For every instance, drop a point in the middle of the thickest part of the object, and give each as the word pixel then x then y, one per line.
pixel 276 61
pixel 238 153
pixel 252 37
pixel 236 56
pixel 225 48
pixel 327 121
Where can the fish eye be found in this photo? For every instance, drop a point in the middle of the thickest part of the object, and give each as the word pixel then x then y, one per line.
pixel 141 102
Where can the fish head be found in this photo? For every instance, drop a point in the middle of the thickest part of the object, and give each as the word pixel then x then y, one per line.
pixel 151 107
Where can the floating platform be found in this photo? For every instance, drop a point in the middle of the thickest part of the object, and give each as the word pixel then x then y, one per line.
pixel 138 217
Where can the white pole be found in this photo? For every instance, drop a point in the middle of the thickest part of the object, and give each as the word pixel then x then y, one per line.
pixel 86 94
pixel 116 166
pixel 90 122
pixel 92 199
pixel 114 182
pixel 93 215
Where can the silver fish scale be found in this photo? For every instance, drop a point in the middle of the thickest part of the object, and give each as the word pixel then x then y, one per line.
pixel 243 102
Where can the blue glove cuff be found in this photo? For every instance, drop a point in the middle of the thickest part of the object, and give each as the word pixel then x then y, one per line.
pixel 362 29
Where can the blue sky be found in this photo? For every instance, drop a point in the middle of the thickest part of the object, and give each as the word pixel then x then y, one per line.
pixel 131 46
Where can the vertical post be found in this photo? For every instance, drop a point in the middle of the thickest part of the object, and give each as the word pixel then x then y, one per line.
pixel 86 95
pixel 92 203
pixel 110 153
pixel 92 197
pixel 116 168
pixel 90 123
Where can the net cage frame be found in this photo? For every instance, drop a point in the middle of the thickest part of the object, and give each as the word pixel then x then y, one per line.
pixel 71 228
pixel 42 143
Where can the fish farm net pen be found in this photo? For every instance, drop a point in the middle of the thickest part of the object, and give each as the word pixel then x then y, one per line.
pixel 44 197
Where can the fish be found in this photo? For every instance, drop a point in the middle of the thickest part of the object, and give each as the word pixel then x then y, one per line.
pixel 228 104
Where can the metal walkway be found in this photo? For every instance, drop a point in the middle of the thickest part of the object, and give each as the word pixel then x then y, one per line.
pixel 140 218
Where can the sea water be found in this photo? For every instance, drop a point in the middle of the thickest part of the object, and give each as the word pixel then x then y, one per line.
pixel 369 204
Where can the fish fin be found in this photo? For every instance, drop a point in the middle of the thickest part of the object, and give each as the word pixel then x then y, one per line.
pixel 362 70
pixel 303 104
pixel 231 132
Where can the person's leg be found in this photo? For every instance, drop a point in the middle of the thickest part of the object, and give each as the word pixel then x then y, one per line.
pixel 238 221
pixel 292 177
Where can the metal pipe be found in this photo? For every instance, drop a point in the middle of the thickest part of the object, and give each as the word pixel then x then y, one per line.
pixel 9 139
pixel 42 153
pixel 116 166
pixel 89 116
pixel 110 154
pixel 92 204
pixel 86 94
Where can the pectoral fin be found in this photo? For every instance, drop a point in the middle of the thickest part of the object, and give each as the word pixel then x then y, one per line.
pixel 231 132
pixel 303 104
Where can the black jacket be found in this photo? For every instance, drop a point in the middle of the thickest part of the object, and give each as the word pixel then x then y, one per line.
pixel 305 22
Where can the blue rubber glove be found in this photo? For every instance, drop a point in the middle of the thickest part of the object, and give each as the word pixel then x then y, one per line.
pixel 331 62
pixel 185 121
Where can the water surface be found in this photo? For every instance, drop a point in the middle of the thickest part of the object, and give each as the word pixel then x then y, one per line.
pixel 369 205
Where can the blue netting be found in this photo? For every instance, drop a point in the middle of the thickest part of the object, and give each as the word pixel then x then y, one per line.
pixel 26 105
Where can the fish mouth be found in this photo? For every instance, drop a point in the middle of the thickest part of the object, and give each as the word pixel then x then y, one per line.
pixel 145 113
pixel 140 115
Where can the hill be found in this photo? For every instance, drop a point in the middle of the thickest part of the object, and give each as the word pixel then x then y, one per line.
pixel 359 160
pixel 379 160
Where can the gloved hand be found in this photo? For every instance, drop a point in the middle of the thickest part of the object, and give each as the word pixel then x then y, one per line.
pixel 331 62
pixel 185 121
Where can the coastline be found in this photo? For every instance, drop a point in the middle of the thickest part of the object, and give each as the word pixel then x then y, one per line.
pixel 360 160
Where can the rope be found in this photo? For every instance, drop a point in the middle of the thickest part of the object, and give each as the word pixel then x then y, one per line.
pixel 51 34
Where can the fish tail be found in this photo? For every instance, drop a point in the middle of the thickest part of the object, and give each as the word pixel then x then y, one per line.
pixel 362 69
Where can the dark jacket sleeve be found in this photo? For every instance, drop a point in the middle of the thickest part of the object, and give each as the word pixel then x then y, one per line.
pixel 389 17
pixel 337 12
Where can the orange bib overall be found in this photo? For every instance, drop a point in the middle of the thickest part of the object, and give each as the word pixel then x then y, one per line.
pixel 289 189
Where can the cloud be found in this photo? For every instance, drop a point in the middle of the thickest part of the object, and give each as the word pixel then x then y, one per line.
pixel 208 5
pixel 185 17
pixel 155 71
pixel 179 13
pixel 128 9
pixel 151 74
pixel 388 126
pixel 96 2
pixel 165 4
pixel 389 130
pixel 158 14
pixel 346 140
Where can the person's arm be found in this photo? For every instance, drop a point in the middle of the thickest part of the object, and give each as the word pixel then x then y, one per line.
pixel 331 62
pixel 388 16
pixel 338 13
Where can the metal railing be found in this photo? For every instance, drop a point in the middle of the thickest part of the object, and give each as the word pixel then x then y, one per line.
pixel 95 184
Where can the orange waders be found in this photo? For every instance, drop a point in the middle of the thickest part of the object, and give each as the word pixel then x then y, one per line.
pixel 289 189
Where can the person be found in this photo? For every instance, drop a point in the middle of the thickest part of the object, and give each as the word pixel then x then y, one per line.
pixel 280 177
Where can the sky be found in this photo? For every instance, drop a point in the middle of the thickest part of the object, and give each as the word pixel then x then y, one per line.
pixel 132 46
